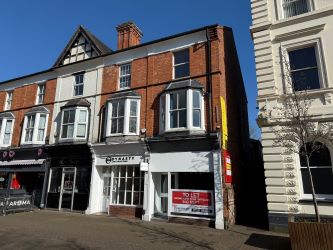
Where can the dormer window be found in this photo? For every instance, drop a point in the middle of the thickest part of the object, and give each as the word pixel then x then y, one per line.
pixel 6 128
pixel 74 120
pixel 123 114
pixel 182 107
pixel 34 126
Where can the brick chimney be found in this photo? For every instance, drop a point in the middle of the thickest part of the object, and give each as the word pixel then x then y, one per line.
pixel 128 35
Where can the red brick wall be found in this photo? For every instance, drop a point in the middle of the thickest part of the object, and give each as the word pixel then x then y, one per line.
pixel 24 98
pixel 125 211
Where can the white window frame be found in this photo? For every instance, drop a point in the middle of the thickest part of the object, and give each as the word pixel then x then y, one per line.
pixel 281 13
pixel 175 65
pixel 300 181
pixel 2 131
pixel 76 84
pixel 35 129
pixel 127 102
pixel 125 75
pixel 141 189
pixel 165 126
pixel 40 93
pixel 76 123
pixel 9 100
pixel 291 46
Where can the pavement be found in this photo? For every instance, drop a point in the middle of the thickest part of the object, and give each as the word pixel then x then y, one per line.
pixel 57 230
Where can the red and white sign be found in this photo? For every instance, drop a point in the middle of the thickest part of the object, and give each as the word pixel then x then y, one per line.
pixel 227 166
pixel 192 202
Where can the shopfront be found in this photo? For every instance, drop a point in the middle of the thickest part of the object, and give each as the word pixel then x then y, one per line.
pixel 69 178
pixel 118 179
pixel 23 174
pixel 184 183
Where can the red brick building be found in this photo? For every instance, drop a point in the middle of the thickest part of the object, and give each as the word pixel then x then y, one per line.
pixel 160 117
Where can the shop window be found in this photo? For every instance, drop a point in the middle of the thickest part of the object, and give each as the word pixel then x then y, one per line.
pixel 127 185
pixel 40 93
pixel 3 182
pixel 182 110
pixel 6 130
pixel 74 123
pixel 123 117
pixel 34 128
pixel 321 170
pixel 125 76
pixel 304 70
pixel 181 64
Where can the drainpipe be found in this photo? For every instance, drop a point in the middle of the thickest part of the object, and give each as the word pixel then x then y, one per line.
pixel 209 80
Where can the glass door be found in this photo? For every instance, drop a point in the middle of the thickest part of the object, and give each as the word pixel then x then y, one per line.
pixel 67 188
pixel 164 194
pixel 106 189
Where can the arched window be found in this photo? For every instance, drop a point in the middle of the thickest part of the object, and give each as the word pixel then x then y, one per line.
pixel 321 170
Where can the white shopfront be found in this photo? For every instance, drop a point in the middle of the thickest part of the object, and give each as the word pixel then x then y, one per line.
pixel 116 177
pixel 185 184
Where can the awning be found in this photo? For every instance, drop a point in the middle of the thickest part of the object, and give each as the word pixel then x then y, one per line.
pixel 22 166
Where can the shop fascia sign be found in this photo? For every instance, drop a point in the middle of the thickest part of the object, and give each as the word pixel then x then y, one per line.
pixel 119 160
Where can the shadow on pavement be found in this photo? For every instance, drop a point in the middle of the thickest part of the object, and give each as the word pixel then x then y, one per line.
pixel 268 241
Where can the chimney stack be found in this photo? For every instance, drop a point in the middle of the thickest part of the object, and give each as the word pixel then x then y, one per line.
pixel 128 35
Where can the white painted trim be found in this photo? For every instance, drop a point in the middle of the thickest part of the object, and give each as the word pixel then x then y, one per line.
pixel 2 132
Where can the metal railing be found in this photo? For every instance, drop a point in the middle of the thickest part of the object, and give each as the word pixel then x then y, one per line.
pixel 15 203
pixel 295 7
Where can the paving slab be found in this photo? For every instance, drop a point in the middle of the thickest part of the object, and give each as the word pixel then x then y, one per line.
pixel 58 230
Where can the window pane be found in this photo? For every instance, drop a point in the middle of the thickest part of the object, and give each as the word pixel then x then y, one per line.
pixel 136 198
pixel 173 119
pixel 122 171
pixel 181 56
pixel 64 131
pixel 136 171
pixel 81 130
pixel 122 184
pixel 320 157
pixel 121 197
pixel 82 115
pixel 322 180
pixel 114 109
pixel 196 118
pixel 133 108
pixel 182 99
pixel 196 99
pixel 42 121
pixel 132 125
pixel 305 79
pixel 65 117
pixel 182 118
pixel 120 125
pixel 173 101
pixel 70 131
pixel 129 171
pixel 129 184
pixel 71 116
pixel 121 108
pixel 113 126
pixel 182 70
pixel 8 127
pixel 40 135
pixel 128 198
pixel 302 58
pixel 136 184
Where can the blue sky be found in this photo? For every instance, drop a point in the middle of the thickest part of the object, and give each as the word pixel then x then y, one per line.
pixel 33 33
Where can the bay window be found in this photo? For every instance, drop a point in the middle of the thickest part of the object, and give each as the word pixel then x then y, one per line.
pixel 34 126
pixel 182 110
pixel 123 116
pixel 6 129
pixel 74 123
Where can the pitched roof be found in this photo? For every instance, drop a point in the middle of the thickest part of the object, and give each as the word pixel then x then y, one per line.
pixel 194 84
pixel 81 102
pixel 98 46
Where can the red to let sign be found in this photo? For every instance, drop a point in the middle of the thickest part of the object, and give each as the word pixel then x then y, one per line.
pixel 192 202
